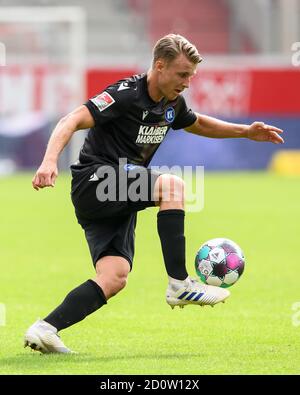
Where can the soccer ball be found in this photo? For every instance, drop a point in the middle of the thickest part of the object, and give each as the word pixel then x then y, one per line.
pixel 220 262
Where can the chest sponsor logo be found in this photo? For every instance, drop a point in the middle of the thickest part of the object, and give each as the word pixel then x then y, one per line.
pixel 151 134
pixel 170 114
pixel 103 101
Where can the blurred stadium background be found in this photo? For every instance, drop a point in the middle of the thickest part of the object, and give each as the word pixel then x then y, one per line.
pixel 59 53
pixel 56 54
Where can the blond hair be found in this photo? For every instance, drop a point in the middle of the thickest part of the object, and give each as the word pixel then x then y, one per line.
pixel 172 45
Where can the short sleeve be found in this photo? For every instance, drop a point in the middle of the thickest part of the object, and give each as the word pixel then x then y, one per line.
pixel 106 106
pixel 185 117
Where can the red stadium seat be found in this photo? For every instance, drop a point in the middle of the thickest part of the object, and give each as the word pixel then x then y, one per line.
pixel 203 22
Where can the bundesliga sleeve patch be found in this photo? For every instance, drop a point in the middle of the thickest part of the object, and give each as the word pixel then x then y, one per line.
pixel 103 101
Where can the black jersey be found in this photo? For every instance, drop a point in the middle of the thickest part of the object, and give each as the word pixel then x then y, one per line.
pixel 129 124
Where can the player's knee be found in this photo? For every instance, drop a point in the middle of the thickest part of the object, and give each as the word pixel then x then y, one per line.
pixel 113 283
pixel 117 284
pixel 171 188
pixel 112 274
pixel 120 282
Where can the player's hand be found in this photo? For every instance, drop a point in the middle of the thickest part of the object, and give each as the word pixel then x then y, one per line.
pixel 45 176
pixel 259 131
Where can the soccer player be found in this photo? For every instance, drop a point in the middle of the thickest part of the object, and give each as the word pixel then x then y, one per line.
pixel 128 121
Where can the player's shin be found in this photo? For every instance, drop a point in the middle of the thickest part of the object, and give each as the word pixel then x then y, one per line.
pixel 170 225
pixel 80 302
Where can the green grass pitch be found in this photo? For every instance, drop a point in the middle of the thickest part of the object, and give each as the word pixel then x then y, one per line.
pixel 44 255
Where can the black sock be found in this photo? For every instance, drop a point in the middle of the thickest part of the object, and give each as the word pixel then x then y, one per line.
pixel 170 225
pixel 80 302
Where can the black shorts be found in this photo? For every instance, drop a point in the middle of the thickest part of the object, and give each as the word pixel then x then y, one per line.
pixel 106 208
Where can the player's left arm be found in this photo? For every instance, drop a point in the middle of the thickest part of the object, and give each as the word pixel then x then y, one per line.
pixel 216 128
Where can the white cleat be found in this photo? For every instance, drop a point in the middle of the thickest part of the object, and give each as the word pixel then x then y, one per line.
pixel 43 337
pixel 191 291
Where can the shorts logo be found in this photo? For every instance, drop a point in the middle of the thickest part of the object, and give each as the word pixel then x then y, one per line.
pixel 130 166
pixel 170 114
pixel 103 101
pixel 94 177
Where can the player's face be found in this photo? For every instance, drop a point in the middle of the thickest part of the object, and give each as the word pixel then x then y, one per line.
pixel 175 76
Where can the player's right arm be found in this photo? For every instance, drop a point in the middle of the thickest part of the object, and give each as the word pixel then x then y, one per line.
pixel 47 173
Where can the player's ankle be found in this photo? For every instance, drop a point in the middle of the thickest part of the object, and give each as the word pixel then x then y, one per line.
pixel 48 326
pixel 174 281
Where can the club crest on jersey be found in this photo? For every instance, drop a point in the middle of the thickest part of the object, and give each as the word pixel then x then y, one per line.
pixel 103 101
pixel 170 114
